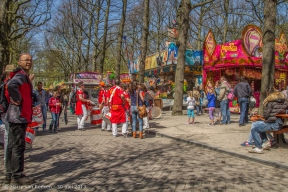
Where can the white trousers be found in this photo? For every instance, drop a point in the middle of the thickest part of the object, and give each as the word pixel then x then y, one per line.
pixel 81 118
pixel 115 131
pixel 105 110
pixel 146 121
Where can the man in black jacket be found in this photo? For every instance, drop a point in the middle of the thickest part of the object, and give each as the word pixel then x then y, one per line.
pixel 274 104
pixel 243 92
pixel 19 114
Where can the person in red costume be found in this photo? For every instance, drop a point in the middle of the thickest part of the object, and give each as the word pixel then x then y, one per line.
pixel 81 106
pixel 103 104
pixel 118 114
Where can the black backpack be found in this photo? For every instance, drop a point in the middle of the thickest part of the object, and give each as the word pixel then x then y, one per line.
pixel 3 100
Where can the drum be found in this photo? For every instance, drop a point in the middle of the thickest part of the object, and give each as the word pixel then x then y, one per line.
pixel 30 136
pixel 107 118
pixel 156 112
pixel 158 102
pixel 95 116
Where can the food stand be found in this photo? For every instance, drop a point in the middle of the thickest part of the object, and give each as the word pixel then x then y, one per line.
pixel 160 70
pixel 111 76
pixel 91 81
pixel 243 57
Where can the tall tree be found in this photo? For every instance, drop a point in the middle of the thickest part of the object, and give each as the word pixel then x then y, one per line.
pixel 96 32
pixel 268 58
pixel 17 19
pixel 145 33
pixel 120 39
pixel 183 14
pixel 104 43
pixel 226 10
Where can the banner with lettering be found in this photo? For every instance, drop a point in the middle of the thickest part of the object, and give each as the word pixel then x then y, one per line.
pixel 243 52
pixel 37 118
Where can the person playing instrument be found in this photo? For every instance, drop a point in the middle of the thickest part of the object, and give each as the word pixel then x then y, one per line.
pixel 118 114
pixel 54 107
pixel 81 106
pixel 103 104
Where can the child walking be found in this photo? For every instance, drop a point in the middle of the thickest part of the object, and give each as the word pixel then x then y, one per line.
pixel 211 96
pixel 54 106
pixel 190 108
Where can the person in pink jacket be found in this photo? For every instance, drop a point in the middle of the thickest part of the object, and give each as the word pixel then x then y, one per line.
pixel 55 107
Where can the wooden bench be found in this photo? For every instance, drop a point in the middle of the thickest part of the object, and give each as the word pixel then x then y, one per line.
pixel 278 135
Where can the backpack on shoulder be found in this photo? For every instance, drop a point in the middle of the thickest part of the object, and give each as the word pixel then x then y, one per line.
pixel 3 100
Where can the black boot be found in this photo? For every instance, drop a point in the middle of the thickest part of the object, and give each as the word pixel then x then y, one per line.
pixel 50 128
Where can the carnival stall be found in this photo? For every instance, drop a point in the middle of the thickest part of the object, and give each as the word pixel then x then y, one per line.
pixel 160 70
pixel 111 76
pixel 91 81
pixel 243 57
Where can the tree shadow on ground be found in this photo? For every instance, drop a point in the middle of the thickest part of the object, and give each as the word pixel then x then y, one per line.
pixel 133 170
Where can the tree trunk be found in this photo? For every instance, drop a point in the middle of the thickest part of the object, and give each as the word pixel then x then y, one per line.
pixel 225 28
pixel 145 33
pixel 103 51
pixel 96 28
pixel 119 39
pixel 268 60
pixel 2 18
pixel 183 14
pixel 5 29
pixel 183 25
pixel 199 30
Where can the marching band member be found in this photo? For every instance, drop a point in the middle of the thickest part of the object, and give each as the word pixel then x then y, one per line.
pixel 118 114
pixel 81 106
pixel 103 103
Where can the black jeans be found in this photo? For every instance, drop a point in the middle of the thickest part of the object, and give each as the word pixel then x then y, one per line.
pixel 15 149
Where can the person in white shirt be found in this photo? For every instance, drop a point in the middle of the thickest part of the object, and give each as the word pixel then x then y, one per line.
pixel 190 108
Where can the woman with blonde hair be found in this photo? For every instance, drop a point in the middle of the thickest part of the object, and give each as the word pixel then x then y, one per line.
pixel 190 108
pixel 211 96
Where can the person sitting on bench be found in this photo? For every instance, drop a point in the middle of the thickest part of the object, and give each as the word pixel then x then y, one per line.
pixel 274 104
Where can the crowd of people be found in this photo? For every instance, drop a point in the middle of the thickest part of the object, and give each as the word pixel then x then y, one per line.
pixel 121 104
pixel 218 105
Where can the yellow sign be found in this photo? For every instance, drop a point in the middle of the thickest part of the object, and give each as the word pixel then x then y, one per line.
pixel 282 76
pixel 230 47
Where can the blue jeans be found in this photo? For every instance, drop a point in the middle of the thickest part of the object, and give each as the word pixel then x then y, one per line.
pixel 54 122
pixel 243 103
pixel 199 109
pixel 135 116
pixel 258 131
pixel 224 106
pixel 44 114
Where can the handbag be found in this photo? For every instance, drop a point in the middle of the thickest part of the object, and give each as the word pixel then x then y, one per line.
pixel 141 109
pixel 230 95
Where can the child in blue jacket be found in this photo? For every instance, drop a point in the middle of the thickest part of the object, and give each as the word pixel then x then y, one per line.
pixel 211 97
